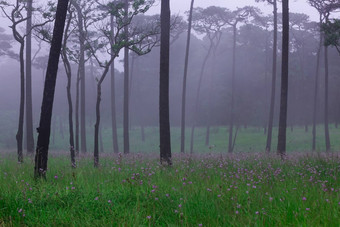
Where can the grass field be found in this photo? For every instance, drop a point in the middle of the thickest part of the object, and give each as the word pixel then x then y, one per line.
pixel 248 140
pixel 204 190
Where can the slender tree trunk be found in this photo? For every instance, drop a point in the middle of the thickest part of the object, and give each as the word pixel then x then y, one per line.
pixel 77 113
pixel 70 121
pixel 113 103
pixel 327 139
pixel 49 88
pixel 194 117
pixel 316 88
pixel 81 77
pixel 68 70
pixel 266 89
pixel 20 132
pixel 96 127
pixel 231 124
pixel 131 72
pixel 281 146
pixel 126 89
pixel 97 123
pixel 29 112
pixel 164 118
pixel 184 89
pixel 273 87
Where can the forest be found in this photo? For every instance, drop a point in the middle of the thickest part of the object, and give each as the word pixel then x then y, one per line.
pixel 128 112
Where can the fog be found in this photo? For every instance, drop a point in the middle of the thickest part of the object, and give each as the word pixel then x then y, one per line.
pixel 252 87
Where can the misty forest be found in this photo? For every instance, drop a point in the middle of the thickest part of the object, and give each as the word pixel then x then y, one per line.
pixel 130 113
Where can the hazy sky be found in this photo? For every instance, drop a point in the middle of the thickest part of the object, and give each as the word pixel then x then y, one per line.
pixel 180 6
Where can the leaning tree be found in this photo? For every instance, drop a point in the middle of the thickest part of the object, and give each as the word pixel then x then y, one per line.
pixel 208 22
pixel 234 19
pixel 44 129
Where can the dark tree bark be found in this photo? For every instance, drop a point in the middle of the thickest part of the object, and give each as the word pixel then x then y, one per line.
pixel 82 78
pixel 29 112
pixel 113 103
pixel 233 74
pixel 184 89
pixel 316 88
pixel 164 118
pixel 273 87
pixel 20 132
pixel 44 129
pixel 126 88
pixel 97 124
pixel 281 145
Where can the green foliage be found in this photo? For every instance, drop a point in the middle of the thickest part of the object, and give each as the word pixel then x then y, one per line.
pixel 203 190
pixel 331 30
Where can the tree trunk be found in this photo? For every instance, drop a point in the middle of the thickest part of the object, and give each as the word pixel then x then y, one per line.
pixel 231 124
pixel 327 139
pixel 281 145
pixel 29 112
pixel 164 118
pixel 184 89
pixel 68 70
pixel 77 113
pixel 316 86
pixel 273 88
pixel 197 99
pixel 131 72
pixel 49 89
pixel 20 132
pixel 113 103
pixel 82 78
pixel 96 127
pixel 126 89
pixel 97 123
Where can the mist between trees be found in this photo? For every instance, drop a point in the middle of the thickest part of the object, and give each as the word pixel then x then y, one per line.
pixel 251 92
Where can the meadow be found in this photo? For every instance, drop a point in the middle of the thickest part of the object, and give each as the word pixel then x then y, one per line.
pixel 244 189
pixel 251 139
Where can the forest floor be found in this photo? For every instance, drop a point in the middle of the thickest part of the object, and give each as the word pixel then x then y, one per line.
pixel 201 190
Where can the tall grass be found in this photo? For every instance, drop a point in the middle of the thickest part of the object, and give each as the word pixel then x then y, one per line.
pixel 206 189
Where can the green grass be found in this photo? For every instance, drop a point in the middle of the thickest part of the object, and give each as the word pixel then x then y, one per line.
pixel 212 190
pixel 248 140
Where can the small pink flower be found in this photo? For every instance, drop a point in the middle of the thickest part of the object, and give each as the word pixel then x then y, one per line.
pixel 96 198
pixel 109 201
pixel 148 217
pixel 55 177
pixel 20 210
pixel 307 208
pixel 304 198
pixel 236 212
